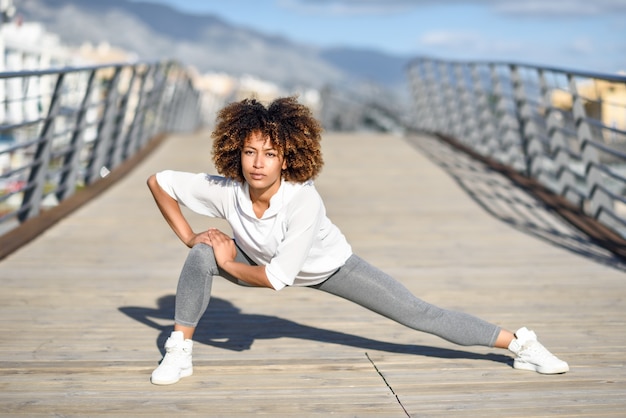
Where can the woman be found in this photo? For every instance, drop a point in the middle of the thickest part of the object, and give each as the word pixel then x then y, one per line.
pixel 268 158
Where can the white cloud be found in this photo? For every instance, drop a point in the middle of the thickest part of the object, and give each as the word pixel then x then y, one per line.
pixel 582 46
pixel 470 45
pixel 347 7
pixel 523 8
pixel 449 39
pixel 559 8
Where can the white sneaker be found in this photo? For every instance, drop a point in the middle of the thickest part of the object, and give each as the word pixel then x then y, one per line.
pixel 533 356
pixel 177 361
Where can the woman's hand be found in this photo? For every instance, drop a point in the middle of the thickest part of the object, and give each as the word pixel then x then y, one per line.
pixel 225 252
pixel 223 246
pixel 202 237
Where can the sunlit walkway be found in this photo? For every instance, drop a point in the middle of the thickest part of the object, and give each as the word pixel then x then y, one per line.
pixel 86 307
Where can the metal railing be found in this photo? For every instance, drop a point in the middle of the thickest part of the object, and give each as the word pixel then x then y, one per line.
pixel 368 109
pixel 564 129
pixel 62 130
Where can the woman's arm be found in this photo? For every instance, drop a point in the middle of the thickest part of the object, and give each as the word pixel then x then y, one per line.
pixel 225 252
pixel 223 245
pixel 170 209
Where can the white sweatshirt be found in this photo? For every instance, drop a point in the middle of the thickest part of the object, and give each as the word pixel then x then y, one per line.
pixel 294 240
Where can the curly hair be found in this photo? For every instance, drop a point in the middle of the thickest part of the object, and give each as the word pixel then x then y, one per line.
pixel 291 129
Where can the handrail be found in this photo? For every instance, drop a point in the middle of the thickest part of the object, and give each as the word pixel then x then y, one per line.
pixel 69 69
pixel 564 129
pixel 65 129
pixel 620 78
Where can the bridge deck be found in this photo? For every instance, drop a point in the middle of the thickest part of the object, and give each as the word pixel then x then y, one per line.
pixel 86 307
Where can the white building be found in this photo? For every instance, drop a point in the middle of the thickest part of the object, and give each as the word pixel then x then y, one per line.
pixel 23 47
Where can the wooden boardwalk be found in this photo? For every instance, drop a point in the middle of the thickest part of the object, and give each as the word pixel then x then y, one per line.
pixel 86 307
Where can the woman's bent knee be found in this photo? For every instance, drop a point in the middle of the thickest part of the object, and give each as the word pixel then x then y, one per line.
pixel 202 255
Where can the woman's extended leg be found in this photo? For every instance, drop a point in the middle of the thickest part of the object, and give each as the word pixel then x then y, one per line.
pixel 360 282
pixel 373 289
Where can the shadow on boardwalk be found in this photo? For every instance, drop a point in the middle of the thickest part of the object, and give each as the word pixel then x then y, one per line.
pixel 225 326
pixel 505 201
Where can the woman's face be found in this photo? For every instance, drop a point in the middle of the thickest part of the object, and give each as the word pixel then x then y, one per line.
pixel 261 164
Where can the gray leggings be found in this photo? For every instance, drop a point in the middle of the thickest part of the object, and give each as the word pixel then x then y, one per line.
pixel 356 281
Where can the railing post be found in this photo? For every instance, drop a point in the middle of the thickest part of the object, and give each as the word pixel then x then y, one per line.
pixel 188 105
pixel 455 108
pixel 499 109
pixel 188 113
pixel 159 102
pixel 523 114
pixel 131 140
pixel 508 133
pixel 422 102
pixel 449 126
pixel 99 157
pixel 67 183
pixel 116 153
pixel 483 112
pixel 428 97
pixel 466 130
pixel 33 195
pixel 588 154
pixel 433 88
pixel 173 107
pixel 563 181
pixel 516 131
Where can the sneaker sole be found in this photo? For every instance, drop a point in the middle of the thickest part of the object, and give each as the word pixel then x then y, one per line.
pixel 522 365
pixel 183 373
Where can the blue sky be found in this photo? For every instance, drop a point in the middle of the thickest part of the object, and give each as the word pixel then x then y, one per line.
pixel 572 34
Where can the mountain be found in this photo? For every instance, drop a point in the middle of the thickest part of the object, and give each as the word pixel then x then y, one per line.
pixel 155 31
pixel 369 65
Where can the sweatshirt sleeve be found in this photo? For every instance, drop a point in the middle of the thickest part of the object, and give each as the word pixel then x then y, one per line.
pixel 202 193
